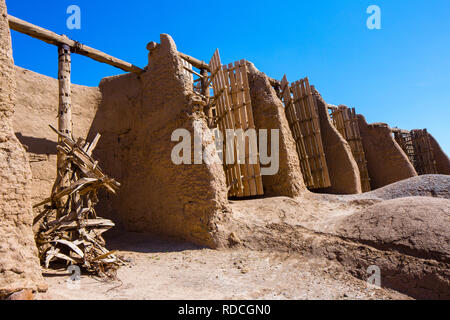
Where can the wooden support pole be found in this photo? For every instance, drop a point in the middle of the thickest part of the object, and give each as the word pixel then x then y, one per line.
pixel 195 62
pixel 65 100
pixel 56 39
pixel 64 117
pixel 205 92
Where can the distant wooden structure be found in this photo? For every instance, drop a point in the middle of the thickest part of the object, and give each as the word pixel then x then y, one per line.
pixel 346 122
pixel 424 155
pixel 403 138
pixel 417 146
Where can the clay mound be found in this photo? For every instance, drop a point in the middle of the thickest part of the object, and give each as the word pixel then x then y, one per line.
pixel 432 185
pixel 416 226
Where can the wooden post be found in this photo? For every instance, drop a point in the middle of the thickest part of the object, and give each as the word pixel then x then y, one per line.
pixel 64 116
pixel 65 101
pixel 206 93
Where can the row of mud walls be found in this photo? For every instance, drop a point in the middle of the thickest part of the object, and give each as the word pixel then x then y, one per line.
pixel 136 119
pixel 19 264
pixel 386 161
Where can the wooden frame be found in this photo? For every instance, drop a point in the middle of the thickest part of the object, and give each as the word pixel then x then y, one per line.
pixel 303 117
pixel 234 111
pixel 424 156
pixel 346 122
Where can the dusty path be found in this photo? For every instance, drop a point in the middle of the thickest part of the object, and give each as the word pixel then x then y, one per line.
pixel 170 270
pixel 287 249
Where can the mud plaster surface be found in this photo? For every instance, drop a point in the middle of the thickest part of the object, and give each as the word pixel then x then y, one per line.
pixel 19 265
pixel 342 167
pixel 386 161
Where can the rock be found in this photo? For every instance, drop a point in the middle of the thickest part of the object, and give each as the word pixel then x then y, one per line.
pixel 22 295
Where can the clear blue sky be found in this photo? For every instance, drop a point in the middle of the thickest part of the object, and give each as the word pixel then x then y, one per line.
pixel 399 74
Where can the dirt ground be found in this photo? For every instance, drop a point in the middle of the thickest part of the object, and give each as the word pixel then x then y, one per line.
pixel 292 248
pixel 165 270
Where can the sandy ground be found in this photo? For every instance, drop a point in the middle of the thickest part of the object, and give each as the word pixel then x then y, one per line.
pixel 165 270
pixel 286 260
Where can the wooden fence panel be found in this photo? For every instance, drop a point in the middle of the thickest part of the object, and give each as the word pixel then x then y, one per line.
pixel 424 156
pixel 307 117
pixel 234 111
pixel 346 123
pixel 403 138
pixel 296 132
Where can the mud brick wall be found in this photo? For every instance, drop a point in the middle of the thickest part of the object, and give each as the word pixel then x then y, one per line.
pixel 136 118
pixel 268 113
pixel 19 264
pixel 342 167
pixel 386 161
pixel 36 108
pixel 441 158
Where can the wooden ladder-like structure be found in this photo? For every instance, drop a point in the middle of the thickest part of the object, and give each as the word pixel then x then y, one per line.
pixel 233 110
pixel 303 118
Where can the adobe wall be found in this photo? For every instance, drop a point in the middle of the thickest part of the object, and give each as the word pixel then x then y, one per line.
pixel 36 108
pixel 342 166
pixel 442 160
pixel 136 119
pixel 268 113
pixel 19 264
pixel 386 161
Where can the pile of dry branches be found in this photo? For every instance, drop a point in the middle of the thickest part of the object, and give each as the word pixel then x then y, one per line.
pixel 69 228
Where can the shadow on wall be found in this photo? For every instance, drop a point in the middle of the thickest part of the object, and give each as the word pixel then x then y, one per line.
pixel 37 145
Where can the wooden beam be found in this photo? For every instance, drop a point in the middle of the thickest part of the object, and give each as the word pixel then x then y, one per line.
pixel 195 62
pixel 50 37
pixel 64 116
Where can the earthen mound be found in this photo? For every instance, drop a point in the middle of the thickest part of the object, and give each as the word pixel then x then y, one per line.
pixel 432 185
pixel 416 226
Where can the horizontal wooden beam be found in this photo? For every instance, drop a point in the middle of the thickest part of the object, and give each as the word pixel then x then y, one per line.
pixel 195 62
pixel 50 37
